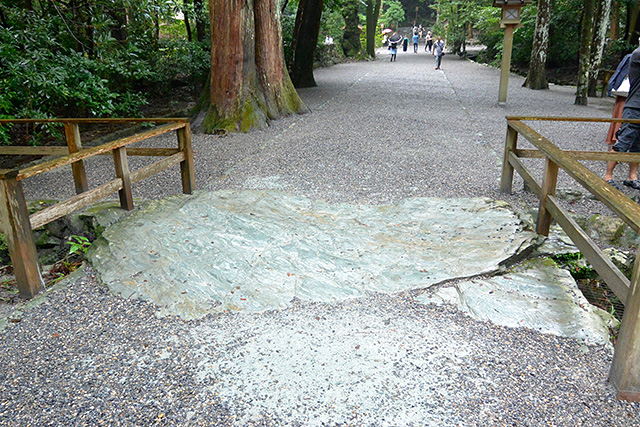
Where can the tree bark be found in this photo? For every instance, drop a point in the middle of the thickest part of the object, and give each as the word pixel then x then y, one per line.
pixel 537 76
pixel 373 12
pixel 632 24
pixel 601 21
pixel 614 26
pixel 351 34
pixel 249 83
pixel 187 24
pixel 305 40
pixel 585 53
pixel 201 21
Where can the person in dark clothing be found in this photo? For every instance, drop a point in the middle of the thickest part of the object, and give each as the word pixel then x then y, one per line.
pixel 405 44
pixel 629 133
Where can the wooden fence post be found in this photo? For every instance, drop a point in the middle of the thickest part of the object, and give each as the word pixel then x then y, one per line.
pixel 506 181
pixel 186 166
pixel 122 171
pixel 548 189
pixel 625 369
pixel 72 131
pixel 14 218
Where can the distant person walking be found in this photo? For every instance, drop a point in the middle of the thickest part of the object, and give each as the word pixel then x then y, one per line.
pixel 438 51
pixel 393 46
pixel 629 133
pixel 428 41
pixel 415 42
pixel 405 43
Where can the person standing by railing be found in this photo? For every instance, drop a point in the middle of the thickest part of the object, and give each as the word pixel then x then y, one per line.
pixel 629 133
pixel 619 86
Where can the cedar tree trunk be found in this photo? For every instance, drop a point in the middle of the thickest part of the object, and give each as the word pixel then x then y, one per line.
pixel 614 27
pixel 585 53
pixel 201 21
pixel 249 83
pixel 537 76
pixel 351 34
pixel 305 40
pixel 373 12
pixel 600 24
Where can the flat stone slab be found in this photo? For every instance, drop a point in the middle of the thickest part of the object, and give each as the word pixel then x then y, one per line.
pixel 258 250
pixel 537 295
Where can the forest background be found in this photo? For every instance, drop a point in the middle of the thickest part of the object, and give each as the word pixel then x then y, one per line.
pixel 123 58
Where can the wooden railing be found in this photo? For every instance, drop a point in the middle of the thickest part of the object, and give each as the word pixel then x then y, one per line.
pixel 17 224
pixel 625 369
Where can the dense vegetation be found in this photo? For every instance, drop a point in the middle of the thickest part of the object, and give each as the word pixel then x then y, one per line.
pixel 80 58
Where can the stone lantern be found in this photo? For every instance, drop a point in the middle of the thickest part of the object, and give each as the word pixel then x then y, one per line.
pixel 510 21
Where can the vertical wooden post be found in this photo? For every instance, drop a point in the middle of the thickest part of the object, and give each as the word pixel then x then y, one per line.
pixel 507 47
pixel 186 166
pixel 122 171
pixel 510 145
pixel 72 131
pixel 14 218
pixel 625 369
pixel 548 189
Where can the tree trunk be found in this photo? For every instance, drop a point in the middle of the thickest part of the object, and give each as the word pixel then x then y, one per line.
pixel 632 23
pixel 187 24
pixel 249 84
pixel 373 12
pixel 351 34
pixel 601 21
pixel 614 26
pixel 305 40
pixel 585 53
pixel 537 76
pixel 201 20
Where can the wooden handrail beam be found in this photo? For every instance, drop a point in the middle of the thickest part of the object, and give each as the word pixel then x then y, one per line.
pixel 625 208
pixel 572 119
pixel 99 120
pixel 604 156
pixel 90 152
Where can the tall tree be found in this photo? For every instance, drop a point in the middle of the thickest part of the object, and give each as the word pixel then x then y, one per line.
pixel 351 34
pixel 600 24
pixel 537 76
pixel 373 12
pixel 249 83
pixel 585 52
pixel 305 40
pixel 201 19
pixel 614 27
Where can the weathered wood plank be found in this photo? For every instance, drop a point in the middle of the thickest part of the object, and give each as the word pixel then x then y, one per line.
pixel 573 119
pixel 72 132
pixel 525 174
pixel 122 172
pixel 624 207
pixel 105 148
pixel 22 248
pixel 549 184
pixel 625 369
pixel 33 151
pixel 100 120
pixel 61 209
pixel 63 151
pixel 607 270
pixel 506 181
pixel 584 155
pixel 154 168
pixel 187 171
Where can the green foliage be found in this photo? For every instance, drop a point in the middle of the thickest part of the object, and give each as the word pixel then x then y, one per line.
pixel 54 64
pixel 79 245
pixel 392 13
pixel 576 264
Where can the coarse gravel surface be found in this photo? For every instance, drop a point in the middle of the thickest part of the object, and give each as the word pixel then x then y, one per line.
pixel 378 132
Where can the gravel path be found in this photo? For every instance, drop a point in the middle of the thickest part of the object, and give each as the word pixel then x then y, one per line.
pixel 378 132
